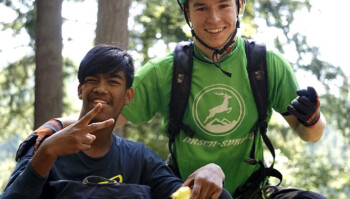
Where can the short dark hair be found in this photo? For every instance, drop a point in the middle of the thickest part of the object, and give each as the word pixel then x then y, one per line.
pixel 103 59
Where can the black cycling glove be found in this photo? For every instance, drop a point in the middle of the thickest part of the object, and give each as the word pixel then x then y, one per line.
pixel 306 107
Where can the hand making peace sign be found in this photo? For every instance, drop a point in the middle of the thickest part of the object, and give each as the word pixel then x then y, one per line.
pixel 69 140
pixel 77 137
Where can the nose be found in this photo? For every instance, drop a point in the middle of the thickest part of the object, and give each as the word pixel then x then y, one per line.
pixel 101 87
pixel 213 15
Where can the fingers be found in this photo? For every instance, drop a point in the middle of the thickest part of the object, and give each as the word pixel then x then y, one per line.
pixel 188 182
pixel 88 139
pixel 99 125
pixel 302 108
pixel 209 191
pixel 196 191
pixel 312 94
pixel 91 114
pixel 302 92
pixel 85 147
pixel 216 195
pixel 203 192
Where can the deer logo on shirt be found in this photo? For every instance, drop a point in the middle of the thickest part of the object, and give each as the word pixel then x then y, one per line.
pixel 221 108
pixel 218 110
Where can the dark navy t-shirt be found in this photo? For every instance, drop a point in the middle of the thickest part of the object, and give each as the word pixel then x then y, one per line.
pixel 126 161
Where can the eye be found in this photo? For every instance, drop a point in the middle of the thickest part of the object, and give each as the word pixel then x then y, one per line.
pixel 114 82
pixel 223 6
pixel 90 79
pixel 200 9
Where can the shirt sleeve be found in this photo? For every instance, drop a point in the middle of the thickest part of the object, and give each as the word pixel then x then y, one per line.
pixel 146 101
pixel 159 176
pixel 24 181
pixel 282 82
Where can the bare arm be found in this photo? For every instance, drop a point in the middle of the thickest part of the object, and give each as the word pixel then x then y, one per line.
pixel 310 134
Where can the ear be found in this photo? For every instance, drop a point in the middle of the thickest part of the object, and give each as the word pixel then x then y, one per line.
pixel 241 6
pixel 80 91
pixel 129 96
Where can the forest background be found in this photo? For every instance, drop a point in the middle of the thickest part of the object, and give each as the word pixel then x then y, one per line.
pixel 42 43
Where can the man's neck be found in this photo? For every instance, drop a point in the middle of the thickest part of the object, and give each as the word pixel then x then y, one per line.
pixel 209 53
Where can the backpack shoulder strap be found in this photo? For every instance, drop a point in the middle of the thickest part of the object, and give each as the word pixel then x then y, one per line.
pixel 180 92
pixel 257 72
pixel 181 87
pixel 256 67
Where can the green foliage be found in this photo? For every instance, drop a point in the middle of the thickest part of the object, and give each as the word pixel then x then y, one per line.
pixel 151 134
pixel 279 14
pixel 17 97
pixel 26 16
pixel 161 20
pixel 70 71
pixel 320 167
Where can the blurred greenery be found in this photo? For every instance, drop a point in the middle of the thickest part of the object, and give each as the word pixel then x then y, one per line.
pixel 321 167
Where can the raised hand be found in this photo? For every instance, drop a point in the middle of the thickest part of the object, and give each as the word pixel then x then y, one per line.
pixel 72 139
pixel 76 137
pixel 306 107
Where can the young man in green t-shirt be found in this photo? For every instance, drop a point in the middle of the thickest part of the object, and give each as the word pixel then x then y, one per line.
pixel 221 109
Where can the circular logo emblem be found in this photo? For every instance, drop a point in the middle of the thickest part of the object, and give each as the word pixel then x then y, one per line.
pixel 218 110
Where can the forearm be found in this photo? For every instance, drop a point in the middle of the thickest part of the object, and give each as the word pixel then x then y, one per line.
pixel 158 176
pixel 43 161
pixel 310 134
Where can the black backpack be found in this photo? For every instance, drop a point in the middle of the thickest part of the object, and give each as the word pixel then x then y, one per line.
pixel 180 91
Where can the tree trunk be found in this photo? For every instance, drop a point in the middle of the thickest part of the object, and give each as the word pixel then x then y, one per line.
pixel 48 58
pixel 112 28
pixel 112 23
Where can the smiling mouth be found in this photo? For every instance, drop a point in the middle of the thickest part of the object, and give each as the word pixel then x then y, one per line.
pixel 216 30
pixel 96 101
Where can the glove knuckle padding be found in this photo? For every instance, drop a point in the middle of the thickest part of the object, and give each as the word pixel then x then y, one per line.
pixel 306 106
pixel 302 92
pixel 312 94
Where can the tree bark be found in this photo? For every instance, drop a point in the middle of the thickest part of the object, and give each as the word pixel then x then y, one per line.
pixel 48 58
pixel 112 23
pixel 112 28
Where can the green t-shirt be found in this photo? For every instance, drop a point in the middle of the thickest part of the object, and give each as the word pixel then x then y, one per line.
pixel 221 110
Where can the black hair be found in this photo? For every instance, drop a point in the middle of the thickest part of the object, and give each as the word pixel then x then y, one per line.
pixel 103 59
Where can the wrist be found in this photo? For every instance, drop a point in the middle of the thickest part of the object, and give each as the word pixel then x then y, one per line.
pixel 43 160
pixel 47 151
pixel 312 122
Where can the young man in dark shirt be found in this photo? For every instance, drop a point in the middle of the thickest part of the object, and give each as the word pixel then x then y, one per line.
pixel 89 147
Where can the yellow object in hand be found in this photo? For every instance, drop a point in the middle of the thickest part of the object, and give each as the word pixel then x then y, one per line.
pixel 182 193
